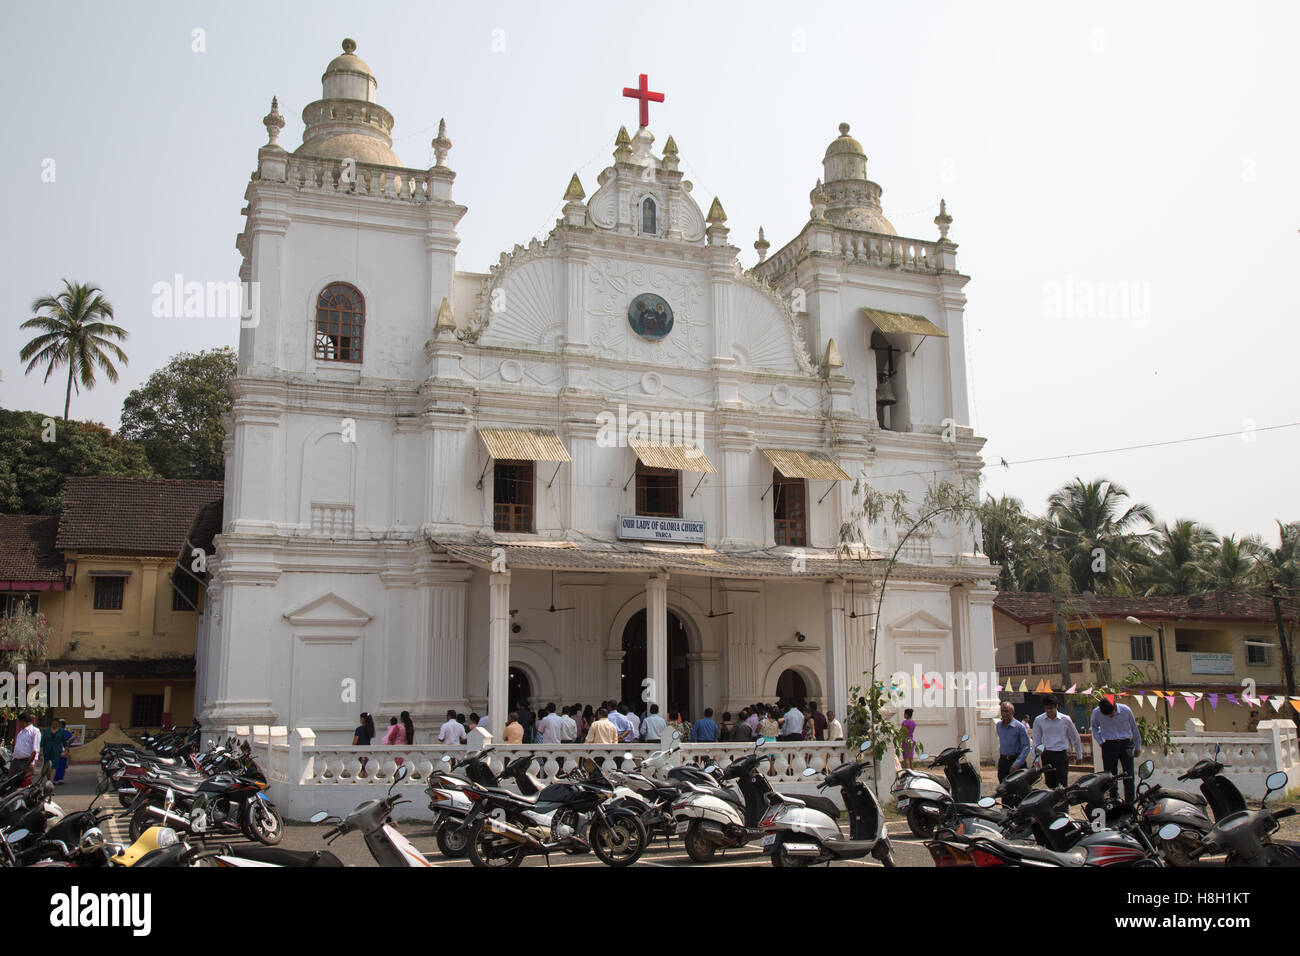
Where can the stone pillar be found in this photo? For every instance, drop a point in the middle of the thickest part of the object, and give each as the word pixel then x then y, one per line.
pixel 743 627
pixel 498 652
pixel 837 679
pixel 656 604
pixel 959 606
pixel 581 637
pixel 952 302
pixel 743 526
pixel 446 453
pixel 443 637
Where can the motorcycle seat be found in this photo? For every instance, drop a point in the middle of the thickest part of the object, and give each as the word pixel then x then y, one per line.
pixel 931 776
pixel 993 814
pixel 819 803
pixel 281 857
pixel 1185 795
pixel 520 797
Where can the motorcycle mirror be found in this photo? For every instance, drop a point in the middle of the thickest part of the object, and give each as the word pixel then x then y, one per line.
pixel 677 735
pixel 866 745
pixel 922 756
pixel 171 797
pixel 1169 831
pixel 1148 767
pixel 964 738
pixel 17 836
pixel 401 774
pixel 1060 823
pixel 760 744
pixel 319 816
pixel 987 802
pixel 809 772
pixel 1275 781
pixel 446 758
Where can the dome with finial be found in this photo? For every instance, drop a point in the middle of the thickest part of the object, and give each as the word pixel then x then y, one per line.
pixel 852 201
pixel 347 122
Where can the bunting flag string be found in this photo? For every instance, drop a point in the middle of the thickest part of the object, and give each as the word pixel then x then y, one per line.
pixel 1214 702
pixel 1137 698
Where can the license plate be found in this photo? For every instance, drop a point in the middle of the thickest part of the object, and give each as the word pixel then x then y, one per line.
pixel 683 827
pixel 769 839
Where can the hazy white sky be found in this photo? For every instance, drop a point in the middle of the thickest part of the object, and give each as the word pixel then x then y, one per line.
pixel 1122 179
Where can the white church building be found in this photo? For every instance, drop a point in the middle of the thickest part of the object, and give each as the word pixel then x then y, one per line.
pixel 617 455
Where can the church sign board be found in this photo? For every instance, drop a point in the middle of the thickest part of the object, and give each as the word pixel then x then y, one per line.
pixel 676 530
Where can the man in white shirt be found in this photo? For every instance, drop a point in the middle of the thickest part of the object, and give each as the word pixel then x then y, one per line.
pixel 792 724
pixel 551 726
pixel 570 732
pixel 632 719
pixel 834 729
pixel 26 743
pixel 452 732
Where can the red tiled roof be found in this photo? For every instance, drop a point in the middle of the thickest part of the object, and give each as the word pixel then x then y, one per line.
pixel 27 551
pixel 1035 607
pixel 131 515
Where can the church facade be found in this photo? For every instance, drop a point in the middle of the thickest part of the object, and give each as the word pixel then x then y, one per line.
pixel 616 465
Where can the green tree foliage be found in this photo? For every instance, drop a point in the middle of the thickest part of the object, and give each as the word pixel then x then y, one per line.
pixel 73 333
pixel 33 470
pixel 1098 535
pixel 176 414
pixel 1181 554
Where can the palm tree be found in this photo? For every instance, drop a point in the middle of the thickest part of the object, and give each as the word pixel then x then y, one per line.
pixel 1230 565
pixel 74 334
pixel 1097 535
pixel 1181 552
pixel 1279 573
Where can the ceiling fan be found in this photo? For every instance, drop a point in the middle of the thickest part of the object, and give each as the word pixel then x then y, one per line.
pixel 712 613
pixel 552 609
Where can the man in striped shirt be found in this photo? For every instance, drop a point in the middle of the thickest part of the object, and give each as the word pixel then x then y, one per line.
pixel 1114 728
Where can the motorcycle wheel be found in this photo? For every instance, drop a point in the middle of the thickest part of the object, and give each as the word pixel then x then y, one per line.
pixel 481 847
pixel 263 823
pixel 618 843
pixel 451 844
pixel 921 826
pixel 142 820
pixel 698 848
pixel 781 861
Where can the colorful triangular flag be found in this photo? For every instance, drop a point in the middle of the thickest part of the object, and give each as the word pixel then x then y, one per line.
pixel 1111 698
pixel 1138 699
pixel 1263 699
pixel 1153 700
pixel 1089 690
pixel 1008 685
pixel 1073 688
pixel 1232 698
pixel 1295 702
pixel 1023 687
pixel 1191 701
pixel 1214 702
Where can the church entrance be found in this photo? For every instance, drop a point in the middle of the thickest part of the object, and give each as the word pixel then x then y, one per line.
pixel 790 688
pixel 634 662
pixel 520 688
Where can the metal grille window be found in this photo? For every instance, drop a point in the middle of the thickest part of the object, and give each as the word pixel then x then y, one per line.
pixel 185 594
pixel 1024 652
pixel 1256 653
pixel 146 710
pixel 790 511
pixel 512 496
pixel 1140 648
pixel 340 323
pixel 658 492
pixel 9 603
pixel 108 593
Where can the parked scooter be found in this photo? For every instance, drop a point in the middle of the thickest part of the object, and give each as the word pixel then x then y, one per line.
pixel 1246 836
pixel 385 843
pixel 798 830
pixel 922 796
pixel 449 803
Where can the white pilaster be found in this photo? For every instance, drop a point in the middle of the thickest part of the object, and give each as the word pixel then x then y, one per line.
pixel 656 602
pixel 837 682
pixel 498 652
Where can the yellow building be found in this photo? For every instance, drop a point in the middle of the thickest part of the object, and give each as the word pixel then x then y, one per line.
pixel 1214 644
pixel 108 593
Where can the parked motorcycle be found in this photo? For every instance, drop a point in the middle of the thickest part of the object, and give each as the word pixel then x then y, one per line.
pixel 372 818
pixel 230 803
pixel 555 819
pixel 801 830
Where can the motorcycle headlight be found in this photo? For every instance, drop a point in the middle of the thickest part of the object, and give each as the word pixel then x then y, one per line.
pixel 91 840
pixel 167 837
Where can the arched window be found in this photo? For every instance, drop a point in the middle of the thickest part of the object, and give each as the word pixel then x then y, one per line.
pixel 648 222
pixel 340 323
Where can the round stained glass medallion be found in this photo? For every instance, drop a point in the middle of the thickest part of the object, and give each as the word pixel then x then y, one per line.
pixel 650 316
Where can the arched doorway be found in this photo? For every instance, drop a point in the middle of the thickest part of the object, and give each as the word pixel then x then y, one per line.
pixel 790 687
pixel 634 661
pixel 521 688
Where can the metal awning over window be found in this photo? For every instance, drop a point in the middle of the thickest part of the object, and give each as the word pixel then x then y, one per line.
pixel 524 444
pixel 903 323
pixel 679 457
pixel 793 463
